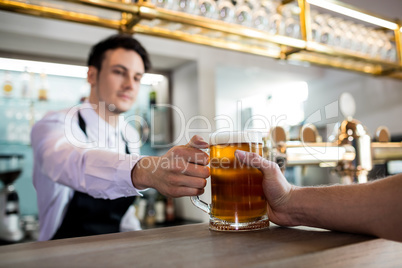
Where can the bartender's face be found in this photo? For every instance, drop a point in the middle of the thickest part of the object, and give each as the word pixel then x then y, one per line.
pixel 118 82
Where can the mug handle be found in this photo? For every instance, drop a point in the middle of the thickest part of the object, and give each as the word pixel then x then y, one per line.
pixel 200 204
pixel 196 199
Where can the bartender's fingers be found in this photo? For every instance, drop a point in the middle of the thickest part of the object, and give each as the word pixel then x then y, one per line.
pixel 185 191
pixel 197 142
pixel 187 154
pixel 183 185
pixel 195 170
pixel 186 181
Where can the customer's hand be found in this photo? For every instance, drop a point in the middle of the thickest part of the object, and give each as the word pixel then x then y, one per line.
pixel 182 171
pixel 276 188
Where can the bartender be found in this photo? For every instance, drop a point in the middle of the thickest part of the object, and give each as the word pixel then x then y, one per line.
pixel 87 166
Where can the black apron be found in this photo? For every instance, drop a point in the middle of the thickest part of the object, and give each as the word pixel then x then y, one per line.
pixel 87 215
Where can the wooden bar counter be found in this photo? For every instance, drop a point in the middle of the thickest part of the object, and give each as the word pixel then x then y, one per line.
pixel 196 246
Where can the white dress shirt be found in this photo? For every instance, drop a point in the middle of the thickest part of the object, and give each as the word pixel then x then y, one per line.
pixel 65 159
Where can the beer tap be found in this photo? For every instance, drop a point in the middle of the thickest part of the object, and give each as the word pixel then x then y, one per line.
pixel 352 132
pixel 349 149
pixel 310 150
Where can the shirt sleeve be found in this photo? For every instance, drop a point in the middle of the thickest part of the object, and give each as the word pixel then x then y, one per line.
pixel 67 158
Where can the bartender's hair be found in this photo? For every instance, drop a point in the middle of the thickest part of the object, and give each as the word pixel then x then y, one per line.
pixel 97 53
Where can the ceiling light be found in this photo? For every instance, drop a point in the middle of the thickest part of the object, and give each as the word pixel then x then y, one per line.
pixel 43 67
pixel 58 69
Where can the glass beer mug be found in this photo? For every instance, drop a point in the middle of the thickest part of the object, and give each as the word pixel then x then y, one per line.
pixel 238 202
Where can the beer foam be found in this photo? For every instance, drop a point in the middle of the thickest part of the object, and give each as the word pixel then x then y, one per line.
pixel 226 137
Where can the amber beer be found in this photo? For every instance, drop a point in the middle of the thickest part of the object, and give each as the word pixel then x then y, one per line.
pixel 238 201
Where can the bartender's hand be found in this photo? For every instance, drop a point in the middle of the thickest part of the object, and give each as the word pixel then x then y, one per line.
pixel 277 189
pixel 182 171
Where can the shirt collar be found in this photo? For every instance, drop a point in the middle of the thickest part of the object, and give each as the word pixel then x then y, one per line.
pixel 92 119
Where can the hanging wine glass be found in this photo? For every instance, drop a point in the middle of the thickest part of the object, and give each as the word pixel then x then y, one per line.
pixel 290 24
pixel 225 10
pixel 187 6
pixel 206 8
pixel 260 16
pixel 168 4
pixel 243 14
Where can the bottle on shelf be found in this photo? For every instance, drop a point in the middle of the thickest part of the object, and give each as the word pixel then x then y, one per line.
pixel 151 213
pixel 25 87
pixel 141 208
pixel 170 210
pixel 32 84
pixel 150 218
pixel 43 89
pixel 152 97
pixel 7 85
pixel 145 128
pixel 160 209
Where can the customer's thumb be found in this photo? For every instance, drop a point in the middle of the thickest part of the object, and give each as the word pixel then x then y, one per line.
pixel 197 142
pixel 255 160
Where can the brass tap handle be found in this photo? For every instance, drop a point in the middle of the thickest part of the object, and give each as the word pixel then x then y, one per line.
pixel 278 139
pixel 278 134
pixel 382 134
pixel 309 133
pixel 280 159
